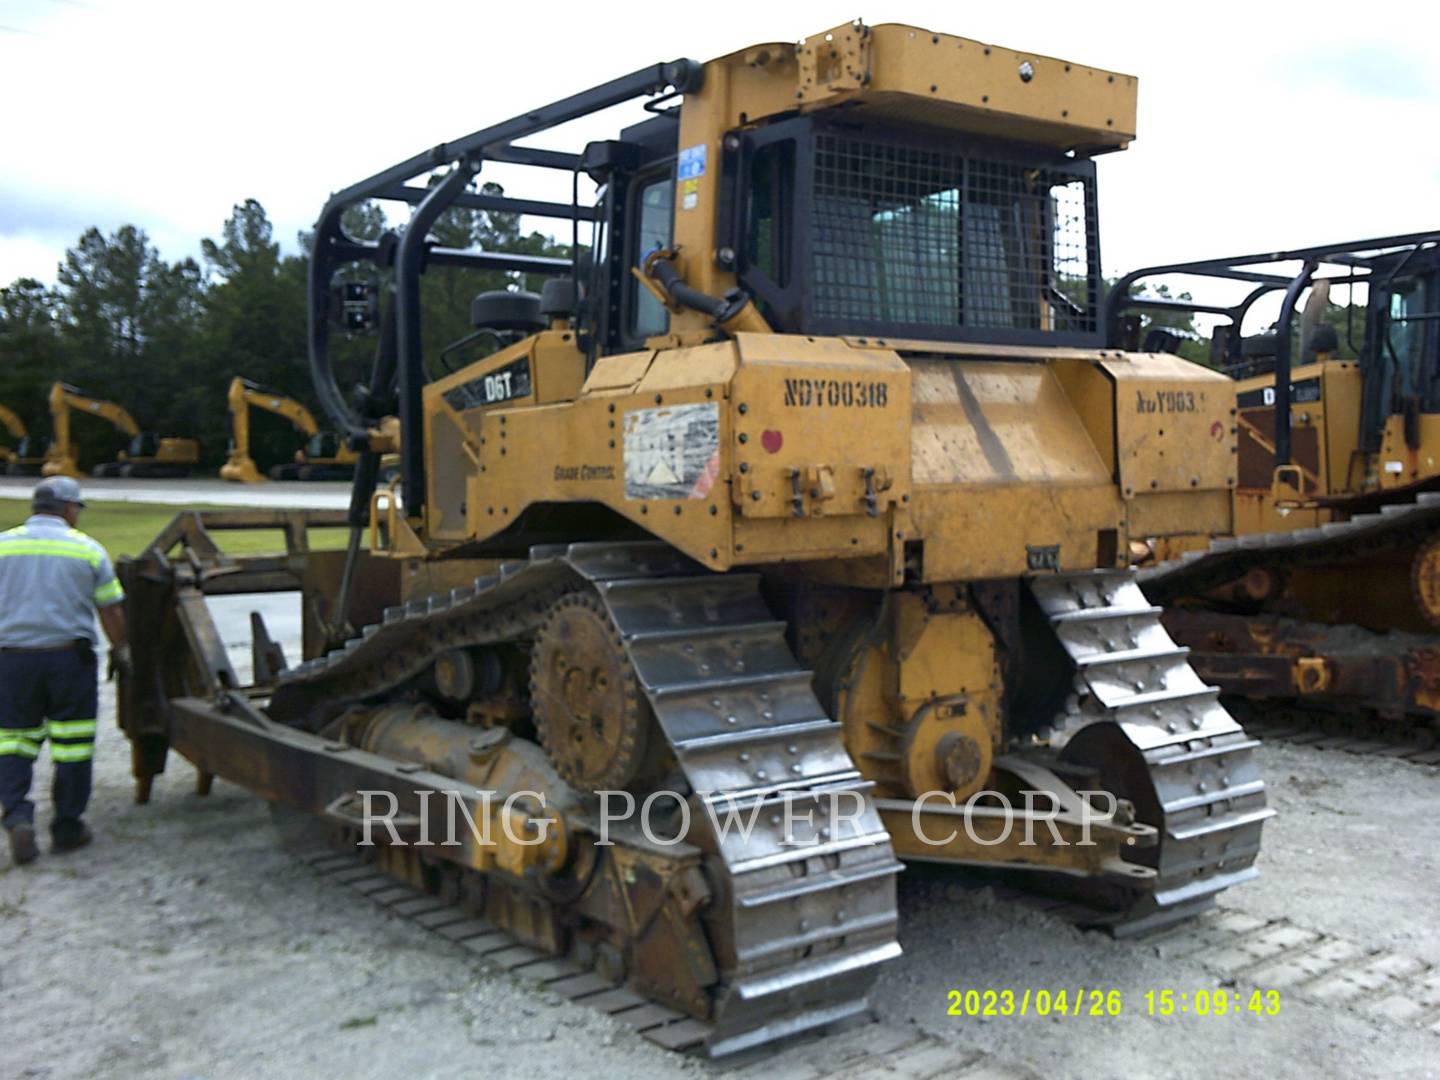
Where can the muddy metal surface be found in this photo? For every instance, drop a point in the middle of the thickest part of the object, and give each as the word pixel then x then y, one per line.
pixel 187 943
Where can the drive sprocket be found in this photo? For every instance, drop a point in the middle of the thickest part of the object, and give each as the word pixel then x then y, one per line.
pixel 590 712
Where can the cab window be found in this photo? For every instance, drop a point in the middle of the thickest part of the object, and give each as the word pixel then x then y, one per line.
pixel 654 228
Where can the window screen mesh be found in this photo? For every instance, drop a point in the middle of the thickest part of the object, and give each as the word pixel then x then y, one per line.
pixel 910 235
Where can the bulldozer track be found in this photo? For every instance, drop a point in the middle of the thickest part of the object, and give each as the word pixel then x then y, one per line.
pixel 862 1048
pixel 1398 525
pixel 1277 954
pixel 1238 948
pixel 1207 787
pixel 1309 965
pixel 811 921
pixel 1296 732
pixel 1229 558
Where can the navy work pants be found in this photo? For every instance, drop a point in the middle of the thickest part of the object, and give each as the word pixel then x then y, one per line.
pixel 50 695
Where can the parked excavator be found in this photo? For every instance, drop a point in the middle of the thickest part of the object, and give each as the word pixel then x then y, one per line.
pixel 812 486
pixel 23 459
pixel 145 454
pixel 323 457
pixel 1322 605
pixel 12 423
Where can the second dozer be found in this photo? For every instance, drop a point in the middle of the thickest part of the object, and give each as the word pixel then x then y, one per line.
pixel 816 480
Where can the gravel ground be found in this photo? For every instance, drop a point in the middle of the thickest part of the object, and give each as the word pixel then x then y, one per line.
pixel 186 943
pixel 1359 862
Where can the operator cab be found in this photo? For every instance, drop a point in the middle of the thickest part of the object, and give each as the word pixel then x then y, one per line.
pixel 870 183
pixel 324 444
pixel 838 225
pixel 1385 341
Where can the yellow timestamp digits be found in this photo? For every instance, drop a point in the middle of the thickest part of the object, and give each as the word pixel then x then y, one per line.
pixel 1065 1002
pixel 1216 1002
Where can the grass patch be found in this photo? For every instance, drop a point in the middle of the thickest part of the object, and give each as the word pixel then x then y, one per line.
pixel 126 528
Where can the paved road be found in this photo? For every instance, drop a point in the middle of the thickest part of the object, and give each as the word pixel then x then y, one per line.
pixel 316 496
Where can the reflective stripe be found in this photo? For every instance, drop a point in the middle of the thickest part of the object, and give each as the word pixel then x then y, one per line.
pixel 71 729
pixel 21 748
pixel 64 752
pixel 65 549
pixel 34 734
pixel 112 591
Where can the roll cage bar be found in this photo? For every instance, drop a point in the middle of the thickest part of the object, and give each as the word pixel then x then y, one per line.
pixel 408 253
pixel 1362 260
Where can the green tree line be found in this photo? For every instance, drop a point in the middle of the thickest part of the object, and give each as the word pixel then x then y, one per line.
pixel 164 339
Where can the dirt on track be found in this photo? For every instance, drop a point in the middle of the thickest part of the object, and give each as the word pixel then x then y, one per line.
pixel 187 943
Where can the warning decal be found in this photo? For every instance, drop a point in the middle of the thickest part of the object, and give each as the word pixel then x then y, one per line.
pixel 672 453
pixel 692 162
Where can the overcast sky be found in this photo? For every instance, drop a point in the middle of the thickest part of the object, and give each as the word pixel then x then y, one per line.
pixel 1261 125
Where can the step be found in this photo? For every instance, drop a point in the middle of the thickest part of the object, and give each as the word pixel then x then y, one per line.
pixel 1160 697
pixel 1098 613
pixel 810 851
pixel 1129 656
pixel 1210 798
pixel 818 936
pixel 1207 886
pixel 759 734
pixel 729 682
pixel 692 633
pixel 832 879
pixel 1206 752
pixel 1221 823
pixel 756 987
pixel 824 784
pixel 677 580
pixel 722 1044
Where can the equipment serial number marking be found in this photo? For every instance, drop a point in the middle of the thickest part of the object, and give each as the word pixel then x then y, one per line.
pixel 503 384
pixel 1167 401
pixel 836 393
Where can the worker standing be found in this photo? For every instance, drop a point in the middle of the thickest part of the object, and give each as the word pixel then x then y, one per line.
pixel 53 579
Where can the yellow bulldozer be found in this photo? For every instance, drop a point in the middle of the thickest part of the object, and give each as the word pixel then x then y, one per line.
pixel 24 458
pixel 1320 609
pixel 803 493
pixel 145 454
pixel 323 457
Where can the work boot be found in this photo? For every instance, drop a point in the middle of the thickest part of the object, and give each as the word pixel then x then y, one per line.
pixel 23 848
pixel 69 835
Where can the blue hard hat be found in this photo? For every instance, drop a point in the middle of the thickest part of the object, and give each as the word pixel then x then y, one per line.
pixel 57 489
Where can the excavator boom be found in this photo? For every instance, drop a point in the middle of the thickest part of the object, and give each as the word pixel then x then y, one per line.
pixel 322 455
pixel 145 455
pixel 12 423
pixel 16 427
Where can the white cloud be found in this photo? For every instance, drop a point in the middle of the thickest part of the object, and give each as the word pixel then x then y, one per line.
pixel 1258 129
pixel 26 256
